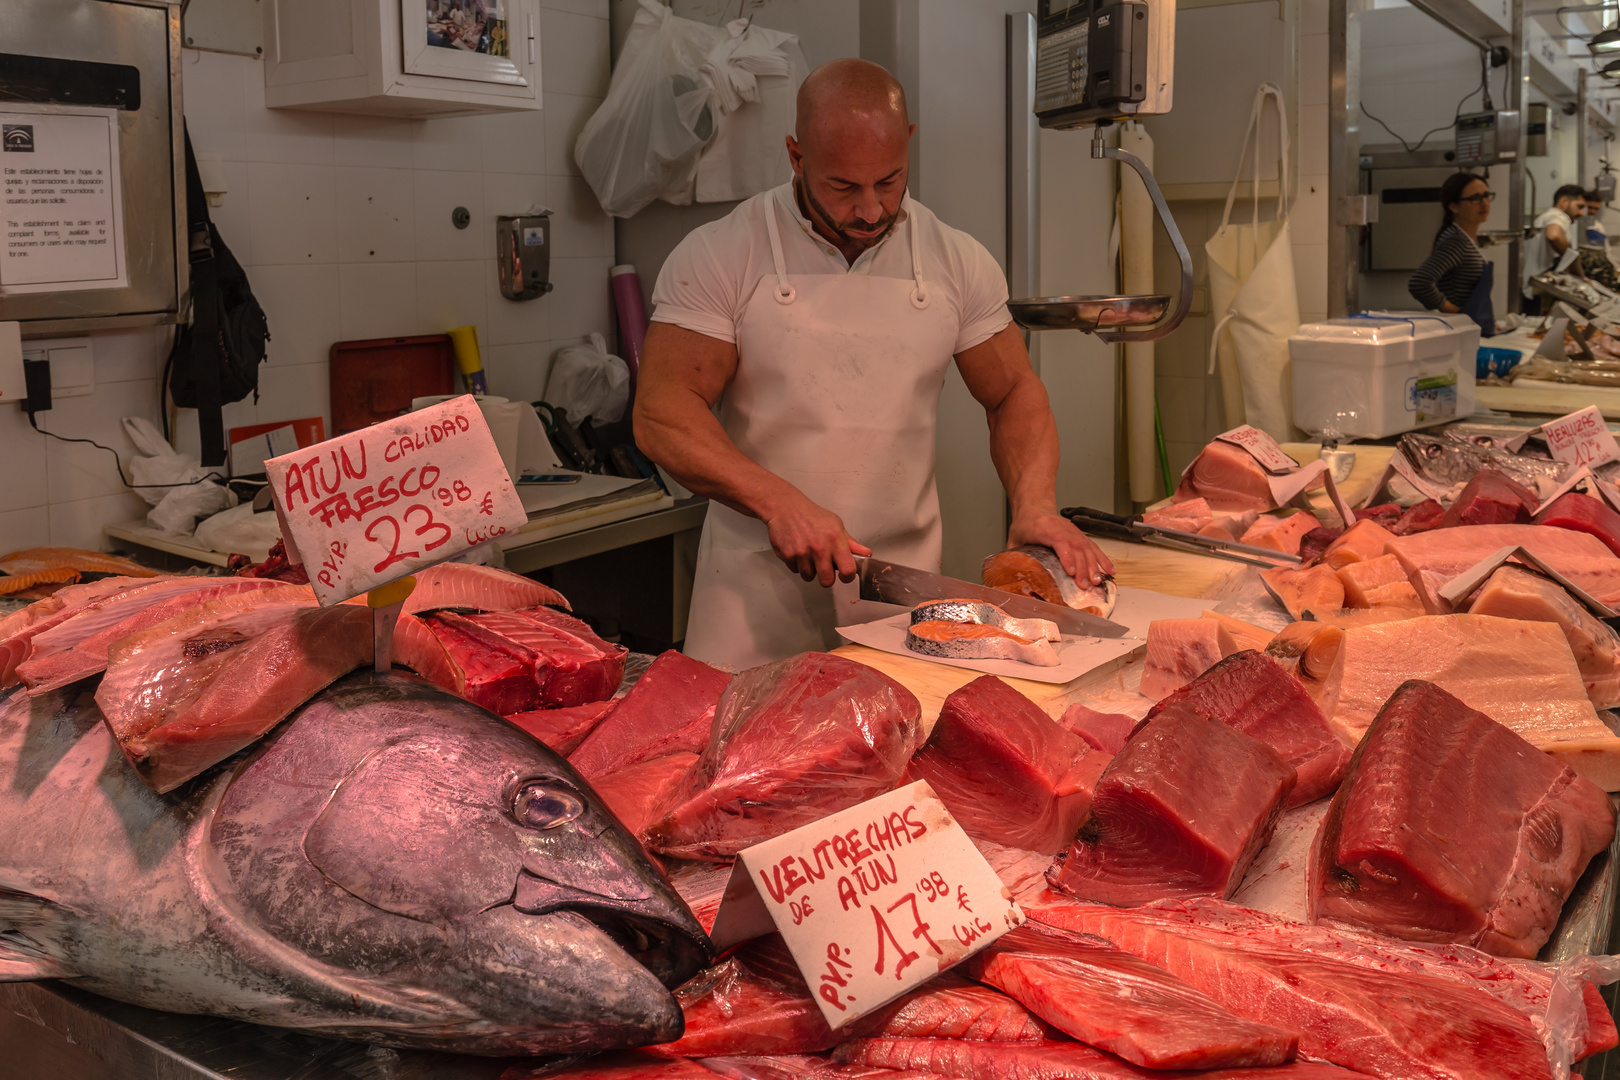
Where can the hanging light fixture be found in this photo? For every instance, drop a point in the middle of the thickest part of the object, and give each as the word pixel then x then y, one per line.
pixel 1611 70
pixel 1605 41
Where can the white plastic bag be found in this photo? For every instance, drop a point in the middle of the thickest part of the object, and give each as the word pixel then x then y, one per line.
pixel 175 508
pixel 753 79
pixel 588 381
pixel 644 140
pixel 239 531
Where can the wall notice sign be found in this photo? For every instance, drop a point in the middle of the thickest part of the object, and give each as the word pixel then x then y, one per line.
pixel 376 504
pixel 872 901
pixel 62 205
pixel 1581 438
pixel 1262 447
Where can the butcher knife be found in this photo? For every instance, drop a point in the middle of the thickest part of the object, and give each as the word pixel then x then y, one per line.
pixel 895 584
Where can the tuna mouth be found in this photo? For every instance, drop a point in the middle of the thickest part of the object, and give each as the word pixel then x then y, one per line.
pixel 662 937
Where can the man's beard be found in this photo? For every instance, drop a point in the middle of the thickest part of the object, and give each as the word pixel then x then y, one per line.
pixel 843 238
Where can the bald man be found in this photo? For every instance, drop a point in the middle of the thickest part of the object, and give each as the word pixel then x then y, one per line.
pixel 822 316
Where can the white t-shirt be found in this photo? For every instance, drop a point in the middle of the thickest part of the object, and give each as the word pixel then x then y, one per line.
pixel 1539 256
pixel 709 278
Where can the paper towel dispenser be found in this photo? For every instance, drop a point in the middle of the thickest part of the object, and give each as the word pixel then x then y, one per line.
pixel 92 164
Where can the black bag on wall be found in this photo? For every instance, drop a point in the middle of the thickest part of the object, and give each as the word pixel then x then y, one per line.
pixel 215 359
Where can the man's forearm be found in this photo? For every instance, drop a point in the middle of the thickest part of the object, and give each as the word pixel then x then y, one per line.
pixel 1024 447
pixel 686 439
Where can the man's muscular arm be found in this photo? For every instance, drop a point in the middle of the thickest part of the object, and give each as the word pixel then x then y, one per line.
pixel 682 375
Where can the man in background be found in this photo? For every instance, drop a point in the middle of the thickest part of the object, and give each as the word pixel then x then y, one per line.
pixel 1554 236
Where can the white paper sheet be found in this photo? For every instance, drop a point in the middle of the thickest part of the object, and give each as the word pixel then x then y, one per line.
pixel 62 202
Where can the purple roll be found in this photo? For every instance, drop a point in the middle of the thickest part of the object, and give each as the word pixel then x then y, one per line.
pixel 632 316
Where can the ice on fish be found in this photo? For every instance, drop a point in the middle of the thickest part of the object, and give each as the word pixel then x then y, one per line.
pixel 979 611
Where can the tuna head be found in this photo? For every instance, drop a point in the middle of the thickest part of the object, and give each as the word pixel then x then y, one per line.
pixel 458 872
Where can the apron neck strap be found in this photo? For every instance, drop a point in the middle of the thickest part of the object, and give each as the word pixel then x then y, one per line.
pixel 784 293
pixel 919 295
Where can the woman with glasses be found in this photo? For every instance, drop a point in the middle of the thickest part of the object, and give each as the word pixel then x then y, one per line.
pixel 1455 278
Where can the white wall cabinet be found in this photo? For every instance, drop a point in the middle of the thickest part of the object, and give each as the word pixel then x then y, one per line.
pixel 395 57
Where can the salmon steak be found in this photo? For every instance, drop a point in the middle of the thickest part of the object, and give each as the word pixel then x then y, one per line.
pixel 977 641
pixel 1035 571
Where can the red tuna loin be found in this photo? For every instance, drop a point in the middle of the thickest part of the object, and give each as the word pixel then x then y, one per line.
pixel 1251 692
pixel 637 794
pixel 1393 1024
pixel 1117 1002
pixel 1227 478
pixel 1005 770
pixel 194 690
pixel 1182 811
pixel 625 1065
pixel 791 743
pixel 756 1002
pixel 669 708
pixel 1103 731
pixel 1048 1061
pixel 1180 650
pixel 563 729
pixel 1451 828
pixel 1492 498
pixel 1419 518
pixel 1583 513
pixel 517 661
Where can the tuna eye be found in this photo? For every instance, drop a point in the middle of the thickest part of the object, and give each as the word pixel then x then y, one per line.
pixel 541 807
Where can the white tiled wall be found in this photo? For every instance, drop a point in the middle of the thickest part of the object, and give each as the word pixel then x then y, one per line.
pixel 343 224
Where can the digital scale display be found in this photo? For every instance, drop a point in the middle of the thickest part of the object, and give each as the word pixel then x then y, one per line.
pixel 1090 59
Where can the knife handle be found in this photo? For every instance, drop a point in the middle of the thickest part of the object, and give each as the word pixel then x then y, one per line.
pixel 1101 523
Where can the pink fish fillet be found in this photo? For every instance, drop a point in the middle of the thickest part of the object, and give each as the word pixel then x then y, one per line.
pixel 1445 553
pixel 1180 650
pixel 562 729
pixel 65 654
pixel 1385 1023
pixel 478 588
pixel 1117 1002
pixel 669 708
pixel 1050 1061
pixel 1103 731
pixel 638 794
pixel 188 693
pixel 1227 478
pixel 1512 593
pixel 72 601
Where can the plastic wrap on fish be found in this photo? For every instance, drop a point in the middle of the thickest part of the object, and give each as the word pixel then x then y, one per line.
pixel 190 692
pixel 1005 770
pixel 791 743
pixel 1391 858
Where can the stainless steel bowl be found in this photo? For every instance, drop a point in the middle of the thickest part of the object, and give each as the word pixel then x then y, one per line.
pixel 1087 313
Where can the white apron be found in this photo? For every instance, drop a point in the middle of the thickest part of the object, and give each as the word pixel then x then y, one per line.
pixel 837 392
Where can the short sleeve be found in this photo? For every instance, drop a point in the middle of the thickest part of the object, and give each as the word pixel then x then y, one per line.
pixel 984 298
pixel 698 290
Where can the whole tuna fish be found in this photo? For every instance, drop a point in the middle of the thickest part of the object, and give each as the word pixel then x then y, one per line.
pixel 392 864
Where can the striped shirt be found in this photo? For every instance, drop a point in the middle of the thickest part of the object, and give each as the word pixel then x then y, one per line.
pixel 1450 272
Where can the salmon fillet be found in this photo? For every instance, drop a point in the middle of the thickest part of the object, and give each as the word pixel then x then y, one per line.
pixel 1301 590
pixel 1281 533
pixel 1361 542
pixel 25 569
pixel 1226 478
pixel 1245 635
pixel 1360 578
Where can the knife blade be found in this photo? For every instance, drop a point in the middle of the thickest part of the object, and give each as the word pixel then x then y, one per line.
pixel 893 583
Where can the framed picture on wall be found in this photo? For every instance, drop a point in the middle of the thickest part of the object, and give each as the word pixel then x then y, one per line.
pixel 461 39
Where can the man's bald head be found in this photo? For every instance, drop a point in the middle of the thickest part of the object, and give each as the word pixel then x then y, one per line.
pixel 851 98
pixel 851 152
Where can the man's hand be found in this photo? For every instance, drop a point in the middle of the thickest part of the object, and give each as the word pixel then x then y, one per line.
pixel 1084 560
pixel 812 541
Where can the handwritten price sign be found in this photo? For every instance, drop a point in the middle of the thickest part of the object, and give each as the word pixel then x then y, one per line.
pixel 872 901
pixel 1581 438
pixel 1262 447
pixel 376 504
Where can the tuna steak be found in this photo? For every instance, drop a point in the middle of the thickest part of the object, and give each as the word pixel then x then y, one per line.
pixel 792 742
pixel 1005 770
pixel 563 729
pixel 517 661
pixel 1102 731
pixel 1491 498
pixel 1521 674
pixel 1250 692
pixel 1384 1023
pixel 1226 478
pixel 1583 513
pixel 1514 593
pixel 669 709
pixel 1181 811
pixel 1391 857
pixel 1180 650
pixel 1117 1002
pixel 354 876
pixel 1048 1061
pixel 188 693
pixel 638 794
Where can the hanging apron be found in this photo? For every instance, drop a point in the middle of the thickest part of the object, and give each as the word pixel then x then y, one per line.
pixel 837 392
pixel 1251 281
pixel 1478 305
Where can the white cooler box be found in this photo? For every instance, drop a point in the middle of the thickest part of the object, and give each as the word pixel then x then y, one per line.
pixel 1368 376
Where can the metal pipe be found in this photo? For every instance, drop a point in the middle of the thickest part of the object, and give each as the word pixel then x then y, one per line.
pixel 1023 163
pixel 1344 170
pixel 1099 149
pixel 1582 126
pixel 1517 62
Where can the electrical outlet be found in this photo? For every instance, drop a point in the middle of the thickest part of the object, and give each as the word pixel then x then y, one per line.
pixel 72 360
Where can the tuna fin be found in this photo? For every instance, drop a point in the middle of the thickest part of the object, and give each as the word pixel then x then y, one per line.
pixel 21 960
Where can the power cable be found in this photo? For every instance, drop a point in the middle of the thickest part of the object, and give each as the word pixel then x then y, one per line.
pixel 1484 86
pixel 118 462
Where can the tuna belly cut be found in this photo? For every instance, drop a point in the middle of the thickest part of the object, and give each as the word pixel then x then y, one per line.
pixel 1442 554
pixel 1252 693
pixel 190 692
pixel 1380 1022
pixel 1180 650
pixel 1181 811
pixel 1521 674
pixel 1451 828
pixel 1117 1002
pixel 1006 771
pixel 1512 593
